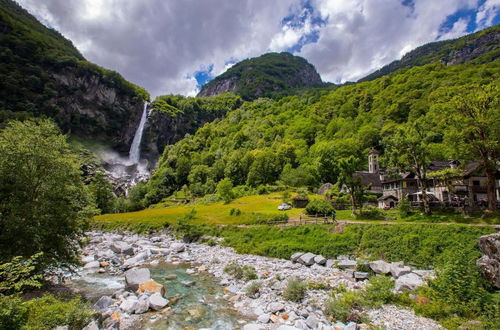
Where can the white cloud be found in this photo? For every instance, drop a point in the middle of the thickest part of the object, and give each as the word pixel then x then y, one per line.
pixel 486 13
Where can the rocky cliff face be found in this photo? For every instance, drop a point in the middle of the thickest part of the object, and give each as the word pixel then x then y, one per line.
pixel 89 108
pixel 269 75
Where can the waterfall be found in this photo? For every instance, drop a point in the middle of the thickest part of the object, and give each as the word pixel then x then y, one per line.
pixel 135 148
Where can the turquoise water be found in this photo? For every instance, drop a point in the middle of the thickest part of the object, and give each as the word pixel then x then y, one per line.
pixel 197 306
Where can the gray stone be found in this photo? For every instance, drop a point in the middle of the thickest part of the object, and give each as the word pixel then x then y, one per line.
pixel 264 318
pixel 91 326
pixel 347 263
pixel 61 327
pixel 330 263
pixel 129 306
pixel 320 260
pixel 409 281
pixel 307 259
pixel 351 326
pixel 339 325
pixel 122 248
pixel 178 247
pixel 489 263
pixel 301 324
pixel 399 270
pixel 296 256
pixel 312 322
pixel 171 277
pixel 157 302
pixel 275 307
pixel 142 305
pixel 361 275
pixel 87 259
pixel 380 267
pixel 188 283
pixel 92 264
pixel 103 303
pixel 287 327
pixel 140 257
pixel 111 324
pixel 253 326
pixel 136 276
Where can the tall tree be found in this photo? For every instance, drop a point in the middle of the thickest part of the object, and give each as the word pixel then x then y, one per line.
pixel 473 128
pixel 347 168
pixel 409 150
pixel 42 196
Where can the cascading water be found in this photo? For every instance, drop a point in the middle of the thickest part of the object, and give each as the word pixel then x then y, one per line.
pixel 135 148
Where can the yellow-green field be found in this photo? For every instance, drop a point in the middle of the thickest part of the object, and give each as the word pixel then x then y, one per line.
pixel 217 213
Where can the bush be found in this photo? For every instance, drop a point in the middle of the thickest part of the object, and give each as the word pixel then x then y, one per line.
pixel 19 275
pixel 185 229
pixel 49 312
pixel 252 289
pixel 404 207
pixel 295 290
pixel 347 307
pixel 235 212
pixel 378 291
pixel 13 313
pixel 372 213
pixel 319 207
pixel 239 272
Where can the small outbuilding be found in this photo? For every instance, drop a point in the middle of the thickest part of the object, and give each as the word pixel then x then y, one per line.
pixel 387 202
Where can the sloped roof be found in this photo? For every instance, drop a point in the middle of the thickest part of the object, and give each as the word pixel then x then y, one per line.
pixel 383 198
pixel 368 178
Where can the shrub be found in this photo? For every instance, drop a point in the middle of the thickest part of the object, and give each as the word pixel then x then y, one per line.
pixel 347 307
pixel 320 207
pixel 379 291
pixel 235 212
pixel 295 290
pixel 372 213
pixel 225 190
pixel 13 314
pixel 239 272
pixel 19 275
pixel 252 289
pixel 49 312
pixel 185 229
pixel 404 207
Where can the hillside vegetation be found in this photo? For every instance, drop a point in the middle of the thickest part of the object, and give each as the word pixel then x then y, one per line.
pixel 299 139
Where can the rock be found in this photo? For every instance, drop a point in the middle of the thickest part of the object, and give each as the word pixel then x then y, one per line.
pixel 103 264
pixel 178 247
pixel 134 277
pixel 292 316
pixel 351 326
pixel 122 248
pixel 489 263
pixel 92 264
pixel 129 306
pixel 339 325
pixel 253 326
pixel 91 326
pixel 140 257
pixel 103 303
pixel 287 327
pixel 380 267
pixel 157 302
pixel 274 318
pixel 347 263
pixel 275 307
pixel 188 283
pixel 61 327
pixel 296 256
pixel 398 270
pixel 111 324
pixel 190 271
pixel 312 322
pixel 307 259
pixel 151 286
pixel 264 318
pixel 301 324
pixel 320 260
pixel 361 275
pixel 142 305
pixel 171 277
pixel 330 263
pixel 409 281
pixel 87 259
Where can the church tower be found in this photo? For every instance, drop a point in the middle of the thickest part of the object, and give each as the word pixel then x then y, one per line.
pixel 373 161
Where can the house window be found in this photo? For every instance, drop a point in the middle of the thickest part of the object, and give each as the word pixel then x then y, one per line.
pixel 476 183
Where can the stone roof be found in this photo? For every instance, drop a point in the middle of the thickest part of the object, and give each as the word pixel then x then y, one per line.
pixel 368 178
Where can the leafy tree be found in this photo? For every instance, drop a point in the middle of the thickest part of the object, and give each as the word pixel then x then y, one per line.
pixel 43 201
pixel 347 177
pixel 102 190
pixel 408 150
pixel 474 129
pixel 225 190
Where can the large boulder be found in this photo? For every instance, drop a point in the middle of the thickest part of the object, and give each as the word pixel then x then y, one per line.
pixel 151 286
pixel 135 276
pixel 409 281
pixel 320 260
pixel 307 259
pixel 137 259
pixel 380 267
pixel 178 247
pixel 103 303
pixel 157 302
pixel 398 269
pixel 296 256
pixel 122 247
pixel 275 307
pixel 489 263
pixel 92 264
pixel 129 306
pixel 347 263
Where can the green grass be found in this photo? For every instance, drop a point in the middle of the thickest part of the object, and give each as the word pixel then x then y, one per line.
pixel 158 216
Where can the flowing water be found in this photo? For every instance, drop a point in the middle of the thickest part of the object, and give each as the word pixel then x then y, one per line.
pixel 135 148
pixel 198 306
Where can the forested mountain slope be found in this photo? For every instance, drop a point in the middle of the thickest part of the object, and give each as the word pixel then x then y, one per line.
pixel 479 47
pixel 43 75
pixel 269 75
pixel 299 139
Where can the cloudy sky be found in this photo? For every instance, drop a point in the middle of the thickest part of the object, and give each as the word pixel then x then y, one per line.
pixel 174 46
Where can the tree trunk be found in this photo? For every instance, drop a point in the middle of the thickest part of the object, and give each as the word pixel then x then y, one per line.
pixel 490 186
pixel 421 183
pixel 353 202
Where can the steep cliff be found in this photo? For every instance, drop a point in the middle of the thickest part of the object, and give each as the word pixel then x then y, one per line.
pixel 43 75
pixel 269 75
pixel 479 47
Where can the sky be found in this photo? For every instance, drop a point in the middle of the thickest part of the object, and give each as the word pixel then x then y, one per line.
pixel 175 46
